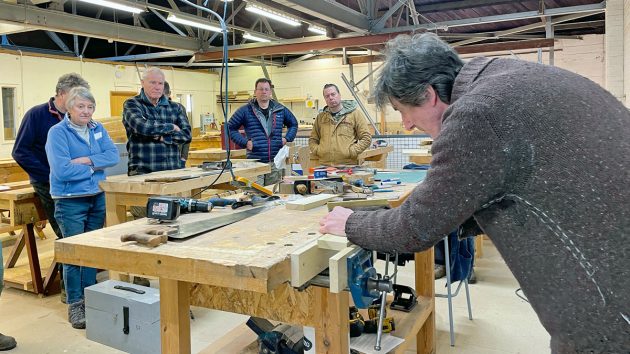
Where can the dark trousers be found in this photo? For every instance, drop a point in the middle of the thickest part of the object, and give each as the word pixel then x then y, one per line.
pixel 42 189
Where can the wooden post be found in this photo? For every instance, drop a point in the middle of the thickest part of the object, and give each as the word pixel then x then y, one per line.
pixel 174 316
pixel 116 214
pixel 332 332
pixel 33 259
pixel 425 286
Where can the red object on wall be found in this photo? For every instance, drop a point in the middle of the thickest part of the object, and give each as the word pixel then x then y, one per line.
pixel 233 145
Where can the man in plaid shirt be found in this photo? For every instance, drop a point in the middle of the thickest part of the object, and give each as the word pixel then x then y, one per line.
pixel 156 127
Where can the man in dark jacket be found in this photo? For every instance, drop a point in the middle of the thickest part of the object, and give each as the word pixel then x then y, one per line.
pixel 29 148
pixel 263 120
pixel 539 158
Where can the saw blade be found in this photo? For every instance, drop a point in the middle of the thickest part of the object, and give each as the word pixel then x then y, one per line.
pixel 199 227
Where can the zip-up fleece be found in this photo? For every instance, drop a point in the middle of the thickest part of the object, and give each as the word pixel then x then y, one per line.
pixel 69 179
pixel 265 133
pixel 339 143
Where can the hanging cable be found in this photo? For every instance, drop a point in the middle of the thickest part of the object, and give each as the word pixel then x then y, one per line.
pixel 224 69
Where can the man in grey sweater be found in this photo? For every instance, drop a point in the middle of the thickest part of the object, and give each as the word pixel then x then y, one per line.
pixel 539 158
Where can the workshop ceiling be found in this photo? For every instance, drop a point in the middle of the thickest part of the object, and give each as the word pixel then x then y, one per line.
pixel 352 27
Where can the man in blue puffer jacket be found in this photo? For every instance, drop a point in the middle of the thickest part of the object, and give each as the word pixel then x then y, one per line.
pixel 263 120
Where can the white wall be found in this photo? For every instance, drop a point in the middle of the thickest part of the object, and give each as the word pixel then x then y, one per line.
pixel 35 78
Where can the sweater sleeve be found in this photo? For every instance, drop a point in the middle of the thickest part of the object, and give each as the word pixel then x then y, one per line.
pixel 467 171
pixel 109 153
pixel 58 153
pixel 292 125
pixel 23 147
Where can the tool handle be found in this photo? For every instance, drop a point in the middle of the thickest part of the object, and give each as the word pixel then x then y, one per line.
pixel 147 240
pixel 221 202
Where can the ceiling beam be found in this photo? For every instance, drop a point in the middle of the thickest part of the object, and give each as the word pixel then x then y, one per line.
pixel 149 56
pixel 469 49
pixel 541 24
pixel 295 46
pixel 587 10
pixel 72 24
pixel 380 23
pixel 457 5
pixel 332 12
pixel 55 38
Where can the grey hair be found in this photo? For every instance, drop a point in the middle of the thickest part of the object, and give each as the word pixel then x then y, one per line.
pixel 79 92
pixel 152 70
pixel 68 81
pixel 413 64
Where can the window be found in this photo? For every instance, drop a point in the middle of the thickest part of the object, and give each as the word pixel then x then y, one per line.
pixel 8 113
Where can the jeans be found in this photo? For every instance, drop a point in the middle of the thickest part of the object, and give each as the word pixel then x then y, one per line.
pixel 42 189
pixel 76 216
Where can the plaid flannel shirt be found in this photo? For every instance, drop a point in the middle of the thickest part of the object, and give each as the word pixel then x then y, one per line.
pixel 152 142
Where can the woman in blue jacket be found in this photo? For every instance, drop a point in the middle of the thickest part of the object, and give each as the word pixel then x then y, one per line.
pixel 79 149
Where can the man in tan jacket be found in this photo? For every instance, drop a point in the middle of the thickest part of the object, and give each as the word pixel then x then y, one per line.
pixel 340 132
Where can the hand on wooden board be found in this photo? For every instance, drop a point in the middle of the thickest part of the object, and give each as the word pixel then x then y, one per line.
pixel 335 222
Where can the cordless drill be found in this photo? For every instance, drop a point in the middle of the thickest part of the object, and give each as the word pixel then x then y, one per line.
pixel 165 208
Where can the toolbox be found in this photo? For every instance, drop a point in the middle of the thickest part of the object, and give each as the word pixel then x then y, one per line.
pixel 123 316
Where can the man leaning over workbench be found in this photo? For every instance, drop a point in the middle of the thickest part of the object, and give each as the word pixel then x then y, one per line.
pixel 535 155
pixel 340 132
pixel 263 119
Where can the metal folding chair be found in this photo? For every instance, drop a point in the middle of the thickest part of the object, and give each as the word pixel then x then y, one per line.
pixel 449 294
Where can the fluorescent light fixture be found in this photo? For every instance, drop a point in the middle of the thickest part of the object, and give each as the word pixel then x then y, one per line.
pixel 189 22
pixel 317 29
pixel 272 14
pixel 247 35
pixel 117 5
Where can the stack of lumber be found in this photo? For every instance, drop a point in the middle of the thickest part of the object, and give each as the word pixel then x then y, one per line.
pixel 115 129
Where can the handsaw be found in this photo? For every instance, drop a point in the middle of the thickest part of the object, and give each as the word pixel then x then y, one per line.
pixel 199 227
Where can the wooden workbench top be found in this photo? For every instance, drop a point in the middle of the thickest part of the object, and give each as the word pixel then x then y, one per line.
pixel 252 254
pixel 201 179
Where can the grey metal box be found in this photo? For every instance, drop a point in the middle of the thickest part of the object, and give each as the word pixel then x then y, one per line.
pixel 106 321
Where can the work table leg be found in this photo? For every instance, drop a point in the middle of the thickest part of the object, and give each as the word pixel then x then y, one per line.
pixel 332 332
pixel 115 213
pixel 425 286
pixel 174 316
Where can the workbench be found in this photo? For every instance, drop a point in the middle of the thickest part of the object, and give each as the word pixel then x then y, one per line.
pixel 246 268
pixel 10 171
pixel 122 191
pixel 197 157
pixel 373 157
pixel 420 156
pixel 24 210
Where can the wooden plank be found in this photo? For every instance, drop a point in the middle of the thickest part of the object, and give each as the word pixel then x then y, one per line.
pixel 333 242
pixel 353 204
pixel 338 269
pixel 307 262
pixel 310 202
pixel 174 316
pixel 138 185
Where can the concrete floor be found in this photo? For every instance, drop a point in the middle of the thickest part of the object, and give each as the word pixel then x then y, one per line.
pixel 502 322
